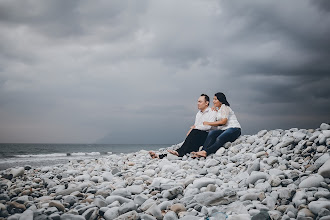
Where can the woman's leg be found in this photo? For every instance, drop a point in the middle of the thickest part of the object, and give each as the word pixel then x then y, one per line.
pixel 192 143
pixel 211 138
pixel 229 135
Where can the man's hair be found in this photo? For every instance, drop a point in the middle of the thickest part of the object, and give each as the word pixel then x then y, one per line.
pixel 207 98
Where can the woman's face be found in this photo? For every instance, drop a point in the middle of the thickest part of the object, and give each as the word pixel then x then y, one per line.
pixel 216 102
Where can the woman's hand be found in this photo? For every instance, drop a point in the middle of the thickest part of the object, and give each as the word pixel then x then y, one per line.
pixel 214 109
pixel 192 127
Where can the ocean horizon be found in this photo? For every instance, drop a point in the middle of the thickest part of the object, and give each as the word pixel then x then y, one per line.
pixel 43 154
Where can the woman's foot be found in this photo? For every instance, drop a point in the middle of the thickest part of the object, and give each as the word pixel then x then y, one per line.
pixel 153 155
pixel 199 154
pixel 173 152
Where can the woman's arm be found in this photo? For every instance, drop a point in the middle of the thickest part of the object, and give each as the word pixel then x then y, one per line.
pixel 224 112
pixel 216 123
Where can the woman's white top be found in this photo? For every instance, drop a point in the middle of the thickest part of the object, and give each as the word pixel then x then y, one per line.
pixel 227 112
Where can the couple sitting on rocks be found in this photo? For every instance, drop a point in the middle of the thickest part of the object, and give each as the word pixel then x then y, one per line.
pixel 212 129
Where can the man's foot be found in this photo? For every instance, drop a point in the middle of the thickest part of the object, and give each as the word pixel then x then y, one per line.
pixel 199 154
pixel 173 152
pixel 153 155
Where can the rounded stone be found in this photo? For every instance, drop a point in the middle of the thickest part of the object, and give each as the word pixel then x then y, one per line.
pixel 312 181
pixel 325 169
pixel 316 206
pixel 178 207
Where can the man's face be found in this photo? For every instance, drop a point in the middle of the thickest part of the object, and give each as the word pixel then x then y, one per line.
pixel 202 104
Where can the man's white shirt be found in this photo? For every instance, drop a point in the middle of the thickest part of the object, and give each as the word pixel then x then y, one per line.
pixel 208 115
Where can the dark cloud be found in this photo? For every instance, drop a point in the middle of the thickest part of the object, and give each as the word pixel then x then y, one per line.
pixel 119 71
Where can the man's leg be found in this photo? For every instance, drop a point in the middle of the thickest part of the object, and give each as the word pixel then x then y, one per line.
pixel 193 141
pixel 229 135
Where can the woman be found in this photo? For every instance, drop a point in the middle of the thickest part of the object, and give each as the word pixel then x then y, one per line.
pixel 228 127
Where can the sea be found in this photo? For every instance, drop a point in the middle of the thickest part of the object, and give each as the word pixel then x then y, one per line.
pixel 37 155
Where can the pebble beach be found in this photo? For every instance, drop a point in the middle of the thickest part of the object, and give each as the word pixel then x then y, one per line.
pixel 276 174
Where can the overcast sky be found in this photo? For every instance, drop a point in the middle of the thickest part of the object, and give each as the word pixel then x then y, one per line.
pixel 132 71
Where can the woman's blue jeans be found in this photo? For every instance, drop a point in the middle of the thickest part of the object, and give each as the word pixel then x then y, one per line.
pixel 217 138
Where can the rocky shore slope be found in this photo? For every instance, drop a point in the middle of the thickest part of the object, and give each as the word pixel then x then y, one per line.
pixel 277 174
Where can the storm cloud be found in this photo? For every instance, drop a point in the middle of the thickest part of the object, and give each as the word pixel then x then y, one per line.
pixel 131 72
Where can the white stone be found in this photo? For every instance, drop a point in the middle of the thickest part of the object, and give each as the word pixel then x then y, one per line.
pixel 256 176
pixel 250 196
pixel 326 133
pixel 211 163
pixel 312 181
pixel 165 205
pixel 316 206
pixel 262 133
pixel 215 198
pixel 170 215
pixel 140 199
pixel 170 168
pixel 135 189
pixel 121 192
pixel 27 215
pixel 325 169
pixel 17 172
pixel 149 172
pixel 111 199
pixel 155 211
pixel 272 160
pixel 132 215
pixel 111 213
pixel 295 165
pixel 298 135
pixel 239 217
pixel 325 126
pixel 274 140
pixel 266 187
pixel 321 160
pixel 298 197
pixel 199 183
pixel 82 177
pixel 314 136
pixel 305 213
pixel 275 172
pixel 220 151
pixel 107 176
pixel 275 181
pixel 250 140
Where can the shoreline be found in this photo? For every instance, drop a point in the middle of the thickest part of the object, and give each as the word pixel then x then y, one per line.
pixel 276 174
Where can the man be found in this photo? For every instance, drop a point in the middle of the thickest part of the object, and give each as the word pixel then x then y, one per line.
pixel 198 132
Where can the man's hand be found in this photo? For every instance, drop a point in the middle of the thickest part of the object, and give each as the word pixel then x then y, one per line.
pixel 192 127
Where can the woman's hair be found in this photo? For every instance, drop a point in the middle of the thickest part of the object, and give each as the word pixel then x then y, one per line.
pixel 222 98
